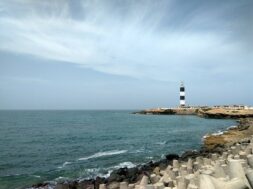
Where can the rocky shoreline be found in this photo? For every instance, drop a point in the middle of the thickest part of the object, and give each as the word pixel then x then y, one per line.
pixel 206 112
pixel 212 164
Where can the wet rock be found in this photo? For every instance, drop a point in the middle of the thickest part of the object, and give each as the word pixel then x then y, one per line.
pixel 119 175
pixel 125 174
pixel 122 171
pixel 132 174
pixel 73 185
pixel 40 185
pixel 62 186
pixel 67 185
pixel 189 154
pixel 163 163
pixel 148 167
pixel 219 149
pixel 170 157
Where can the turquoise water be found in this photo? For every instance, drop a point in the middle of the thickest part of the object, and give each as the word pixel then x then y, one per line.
pixel 40 146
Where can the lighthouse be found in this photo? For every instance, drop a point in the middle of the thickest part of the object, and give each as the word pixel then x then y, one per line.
pixel 182 95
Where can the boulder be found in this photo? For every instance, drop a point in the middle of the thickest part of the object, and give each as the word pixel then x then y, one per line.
pixel 124 174
pixel 189 154
pixel 170 157
pixel 132 174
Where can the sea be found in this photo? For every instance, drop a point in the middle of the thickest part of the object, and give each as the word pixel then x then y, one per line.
pixel 54 145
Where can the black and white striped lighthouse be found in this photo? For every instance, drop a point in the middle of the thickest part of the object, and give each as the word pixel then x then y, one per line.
pixel 182 95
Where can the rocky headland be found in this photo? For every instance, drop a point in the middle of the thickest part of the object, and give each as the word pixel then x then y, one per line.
pixel 206 112
pixel 224 162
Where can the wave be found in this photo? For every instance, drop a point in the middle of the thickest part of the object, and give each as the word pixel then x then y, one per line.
pixel 232 127
pixel 11 175
pixel 101 154
pixel 60 178
pixel 161 143
pixel 64 164
pixel 36 176
pixel 104 172
pixel 127 164
pixel 92 173
pixel 218 133
pixel 139 151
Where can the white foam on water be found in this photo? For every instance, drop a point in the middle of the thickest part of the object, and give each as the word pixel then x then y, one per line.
pixel 64 164
pixel 11 175
pixel 60 178
pixel 218 133
pixel 36 176
pixel 93 172
pixel 161 143
pixel 127 164
pixel 105 172
pixel 139 150
pixel 105 175
pixel 232 127
pixel 101 154
pixel 205 136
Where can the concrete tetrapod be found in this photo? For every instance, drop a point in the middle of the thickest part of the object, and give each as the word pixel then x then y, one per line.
pixel 123 185
pixel 250 160
pixel 144 181
pixel 131 186
pixel 249 176
pixel 102 186
pixel 205 182
pixel 235 183
pixel 159 185
pixel 236 170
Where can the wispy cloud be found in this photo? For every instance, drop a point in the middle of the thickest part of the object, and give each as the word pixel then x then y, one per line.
pixel 143 39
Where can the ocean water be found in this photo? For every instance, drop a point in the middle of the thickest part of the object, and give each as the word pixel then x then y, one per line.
pixel 38 146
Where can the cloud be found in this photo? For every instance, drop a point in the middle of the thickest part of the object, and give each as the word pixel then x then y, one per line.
pixel 142 39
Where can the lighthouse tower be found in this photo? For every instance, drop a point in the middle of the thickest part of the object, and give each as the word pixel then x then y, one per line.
pixel 182 95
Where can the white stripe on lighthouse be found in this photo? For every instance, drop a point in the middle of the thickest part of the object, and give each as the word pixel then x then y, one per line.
pixel 182 93
pixel 182 102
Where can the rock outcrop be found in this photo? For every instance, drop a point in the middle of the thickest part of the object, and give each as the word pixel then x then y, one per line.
pixel 234 134
pixel 221 113
pixel 216 113
pixel 170 111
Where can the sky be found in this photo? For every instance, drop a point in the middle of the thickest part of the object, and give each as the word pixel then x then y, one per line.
pixel 133 54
